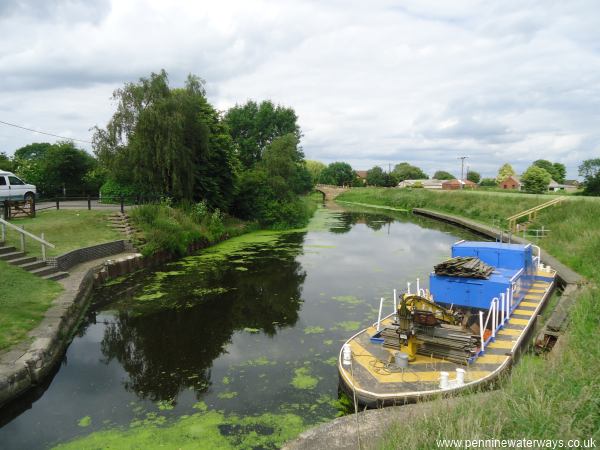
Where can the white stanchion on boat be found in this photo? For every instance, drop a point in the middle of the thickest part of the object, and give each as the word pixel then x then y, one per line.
pixel 494 318
pixel 395 301
pixel 346 355
pixel 444 384
pixel 408 287
pixel 481 330
pixel 503 300
pixel 460 377
pixel 379 316
pixel 418 287
pixel 508 302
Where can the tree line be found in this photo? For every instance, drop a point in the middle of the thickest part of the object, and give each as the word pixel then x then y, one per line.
pixel 171 142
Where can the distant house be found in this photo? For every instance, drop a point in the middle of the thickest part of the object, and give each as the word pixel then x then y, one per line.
pixel 572 185
pixel 554 186
pixel 512 182
pixel 427 184
pixel 451 185
pixel 362 174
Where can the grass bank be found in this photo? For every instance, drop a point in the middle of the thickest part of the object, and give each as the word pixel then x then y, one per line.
pixel 24 298
pixel 173 229
pixel 544 397
pixel 67 229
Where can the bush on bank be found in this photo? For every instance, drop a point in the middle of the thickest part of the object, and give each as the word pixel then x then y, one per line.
pixel 173 229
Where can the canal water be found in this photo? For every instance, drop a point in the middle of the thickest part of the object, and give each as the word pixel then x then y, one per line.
pixel 235 347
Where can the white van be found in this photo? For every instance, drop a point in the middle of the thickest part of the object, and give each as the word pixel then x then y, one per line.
pixel 13 188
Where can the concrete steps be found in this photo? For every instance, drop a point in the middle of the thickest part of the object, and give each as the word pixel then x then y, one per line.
pixel 120 222
pixel 30 263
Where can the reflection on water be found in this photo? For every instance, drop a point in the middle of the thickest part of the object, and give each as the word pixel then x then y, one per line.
pixel 248 328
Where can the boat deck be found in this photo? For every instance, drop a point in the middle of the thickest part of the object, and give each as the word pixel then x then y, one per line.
pixel 374 383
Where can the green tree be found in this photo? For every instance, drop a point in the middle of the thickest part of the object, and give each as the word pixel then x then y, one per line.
pixel 283 159
pixel 590 171
pixel 560 172
pixel 377 177
pixel 443 175
pixel 338 173
pixel 557 171
pixel 405 171
pixel 64 167
pixel 473 176
pixel 254 126
pixel 315 168
pixel 168 142
pixel 504 172
pixel 60 167
pixel 5 162
pixel 535 180
pixel 488 182
pixel 37 150
pixel 269 191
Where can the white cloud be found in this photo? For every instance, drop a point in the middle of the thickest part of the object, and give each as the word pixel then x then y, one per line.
pixel 372 83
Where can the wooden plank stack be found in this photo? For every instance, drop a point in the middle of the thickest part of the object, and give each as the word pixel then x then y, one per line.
pixel 462 266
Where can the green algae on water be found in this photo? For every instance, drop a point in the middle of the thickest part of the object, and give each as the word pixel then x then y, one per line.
pixel 227 395
pixel 303 379
pixel 314 330
pixel 165 405
pixel 328 342
pixel 201 292
pixel 198 430
pixel 348 325
pixel 150 296
pixel 348 299
pixel 331 361
pixel 85 421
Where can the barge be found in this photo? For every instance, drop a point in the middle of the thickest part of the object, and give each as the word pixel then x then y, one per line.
pixel 464 330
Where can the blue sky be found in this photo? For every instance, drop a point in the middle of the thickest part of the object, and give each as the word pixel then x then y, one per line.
pixel 372 82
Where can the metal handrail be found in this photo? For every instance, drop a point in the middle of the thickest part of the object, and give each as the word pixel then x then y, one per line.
pixel 536 208
pixel 41 240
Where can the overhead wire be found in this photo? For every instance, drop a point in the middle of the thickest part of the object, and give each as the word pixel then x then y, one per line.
pixel 43 132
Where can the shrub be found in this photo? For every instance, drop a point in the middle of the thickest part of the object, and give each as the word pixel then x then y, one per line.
pixel 112 191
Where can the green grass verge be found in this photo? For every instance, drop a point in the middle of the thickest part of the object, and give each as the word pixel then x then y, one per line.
pixel 67 229
pixel 24 298
pixel 548 397
pixel 490 208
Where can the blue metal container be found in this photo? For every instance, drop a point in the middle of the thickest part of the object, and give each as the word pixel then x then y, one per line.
pixel 513 274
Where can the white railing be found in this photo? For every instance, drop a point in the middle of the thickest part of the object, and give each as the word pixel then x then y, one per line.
pixel 500 310
pixel 21 230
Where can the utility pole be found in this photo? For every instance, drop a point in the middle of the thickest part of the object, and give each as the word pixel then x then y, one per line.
pixel 462 170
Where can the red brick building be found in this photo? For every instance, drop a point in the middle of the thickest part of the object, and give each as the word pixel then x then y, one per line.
pixel 512 182
pixel 457 184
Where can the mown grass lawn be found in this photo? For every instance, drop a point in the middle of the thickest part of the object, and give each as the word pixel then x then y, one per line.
pixel 555 396
pixel 67 229
pixel 24 298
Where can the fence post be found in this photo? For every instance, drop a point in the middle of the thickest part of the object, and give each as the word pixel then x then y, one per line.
pixel 57 204
pixel 43 249
pixel 89 203
pixel 22 239
pixel 122 205
pixel 32 206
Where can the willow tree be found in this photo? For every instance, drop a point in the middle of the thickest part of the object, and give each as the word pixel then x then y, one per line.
pixel 168 141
